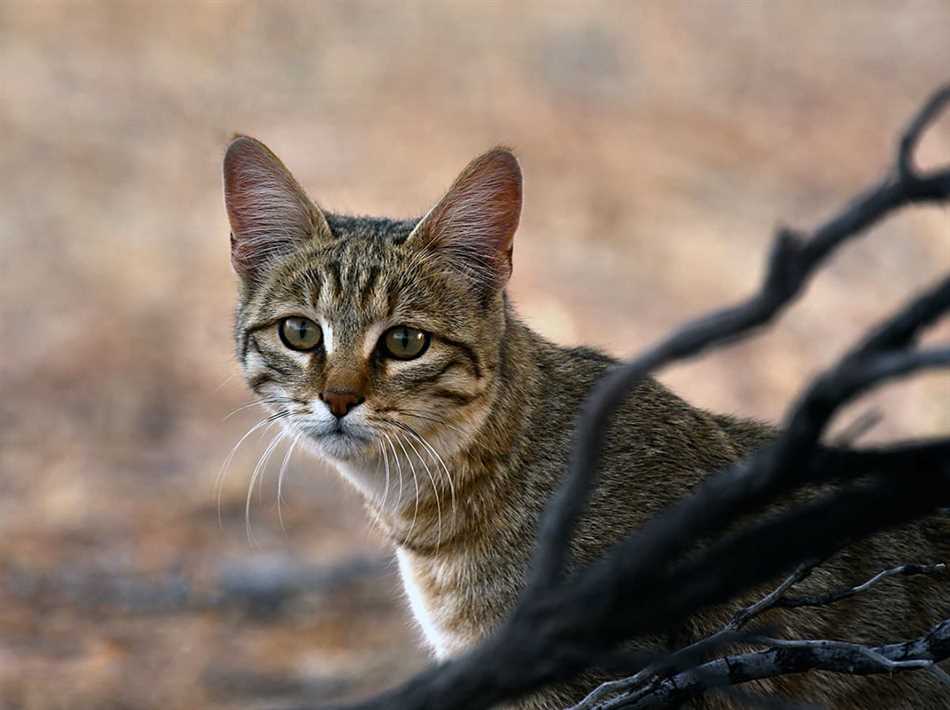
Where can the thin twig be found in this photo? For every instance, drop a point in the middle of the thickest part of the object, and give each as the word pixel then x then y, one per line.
pixel 640 685
pixel 832 597
pixel 797 656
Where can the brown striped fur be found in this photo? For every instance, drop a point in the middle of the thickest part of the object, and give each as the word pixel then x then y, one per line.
pixel 477 430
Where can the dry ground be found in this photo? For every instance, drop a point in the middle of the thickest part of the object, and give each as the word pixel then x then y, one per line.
pixel 661 143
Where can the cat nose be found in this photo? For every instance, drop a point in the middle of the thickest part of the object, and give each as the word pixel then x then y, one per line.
pixel 341 402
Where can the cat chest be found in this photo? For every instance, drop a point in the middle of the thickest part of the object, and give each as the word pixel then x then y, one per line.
pixel 448 601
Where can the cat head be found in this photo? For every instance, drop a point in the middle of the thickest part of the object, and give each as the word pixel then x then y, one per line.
pixel 371 337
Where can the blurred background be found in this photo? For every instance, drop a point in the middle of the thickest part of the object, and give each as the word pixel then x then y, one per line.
pixel 662 143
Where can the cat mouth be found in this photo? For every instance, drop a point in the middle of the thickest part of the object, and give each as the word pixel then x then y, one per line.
pixel 336 431
pixel 338 440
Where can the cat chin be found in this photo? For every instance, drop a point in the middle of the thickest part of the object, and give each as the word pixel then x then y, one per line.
pixel 340 447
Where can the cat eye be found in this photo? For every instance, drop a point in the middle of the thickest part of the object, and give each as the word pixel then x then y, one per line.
pixel 299 333
pixel 404 343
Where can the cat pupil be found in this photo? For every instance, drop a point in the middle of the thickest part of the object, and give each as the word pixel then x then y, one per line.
pixel 403 342
pixel 299 333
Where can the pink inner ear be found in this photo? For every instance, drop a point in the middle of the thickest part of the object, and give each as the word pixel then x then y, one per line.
pixel 475 223
pixel 268 211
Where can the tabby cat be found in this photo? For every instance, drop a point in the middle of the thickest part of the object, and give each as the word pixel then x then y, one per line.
pixel 391 349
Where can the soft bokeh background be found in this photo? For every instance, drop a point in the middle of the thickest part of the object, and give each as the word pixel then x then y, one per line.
pixel 661 142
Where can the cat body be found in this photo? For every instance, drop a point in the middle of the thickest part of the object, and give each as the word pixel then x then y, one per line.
pixel 390 348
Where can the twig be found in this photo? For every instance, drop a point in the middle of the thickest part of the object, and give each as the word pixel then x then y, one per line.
pixel 680 660
pixel 639 686
pixel 770 600
pixel 797 657
pixel 832 597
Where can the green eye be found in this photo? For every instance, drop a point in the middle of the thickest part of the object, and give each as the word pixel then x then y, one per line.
pixel 299 333
pixel 404 343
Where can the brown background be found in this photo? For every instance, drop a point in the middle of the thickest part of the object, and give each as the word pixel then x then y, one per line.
pixel 662 143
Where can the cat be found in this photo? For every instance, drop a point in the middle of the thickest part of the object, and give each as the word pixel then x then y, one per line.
pixel 391 349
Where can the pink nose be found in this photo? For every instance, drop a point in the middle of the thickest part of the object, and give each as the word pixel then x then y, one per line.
pixel 341 402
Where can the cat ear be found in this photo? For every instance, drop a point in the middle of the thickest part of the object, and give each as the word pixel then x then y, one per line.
pixel 474 224
pixel 270 214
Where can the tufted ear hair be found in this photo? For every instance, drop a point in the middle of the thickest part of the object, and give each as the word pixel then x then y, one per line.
pixel 270 214
pixel 473 225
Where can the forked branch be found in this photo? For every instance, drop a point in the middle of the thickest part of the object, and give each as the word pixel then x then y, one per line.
pixel 686 673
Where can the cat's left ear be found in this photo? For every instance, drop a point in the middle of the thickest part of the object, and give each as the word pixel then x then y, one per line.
pixel 474 225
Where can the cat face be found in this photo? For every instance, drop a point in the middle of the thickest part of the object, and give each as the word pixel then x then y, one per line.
pixel 371 338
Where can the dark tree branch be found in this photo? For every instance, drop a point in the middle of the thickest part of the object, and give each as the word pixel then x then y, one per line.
pixel 785 657
pixel 562 624
pixel 686 672
pixel 858 428
pixel 692 655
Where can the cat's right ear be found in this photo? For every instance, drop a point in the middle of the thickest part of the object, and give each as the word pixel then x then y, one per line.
pixel 270 214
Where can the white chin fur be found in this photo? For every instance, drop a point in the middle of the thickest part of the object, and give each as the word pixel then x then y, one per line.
pixel 341 447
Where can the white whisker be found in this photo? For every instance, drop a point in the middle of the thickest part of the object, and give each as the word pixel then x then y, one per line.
pixel 382 448
pixel 219 479
pixel 269 400
pixel 226 380
pixel 429 418
pixel 258 470
pixel 398 466
pixel 415 481
pixel 280 478
pixel 435 489
pixel 435 454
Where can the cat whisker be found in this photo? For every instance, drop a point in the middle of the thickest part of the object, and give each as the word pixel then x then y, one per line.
pixel 280 478
pixel 382 449
pixel 398 466
pixel 222 473
pixel 378 511
pixel 258 470
pixel 226 380
pixel 415 480
pixel 435 455
pixel 429 418
pixel 266 400
pixel 436 458
pixel 438 504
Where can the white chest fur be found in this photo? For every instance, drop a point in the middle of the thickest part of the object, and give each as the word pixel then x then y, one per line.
pixel 431 610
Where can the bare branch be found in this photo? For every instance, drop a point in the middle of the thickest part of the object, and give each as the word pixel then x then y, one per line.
pixel 832 597
pixel 680 659
pixel 908 145
pixel 658 677
pixel 795 657
pixel 770 600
